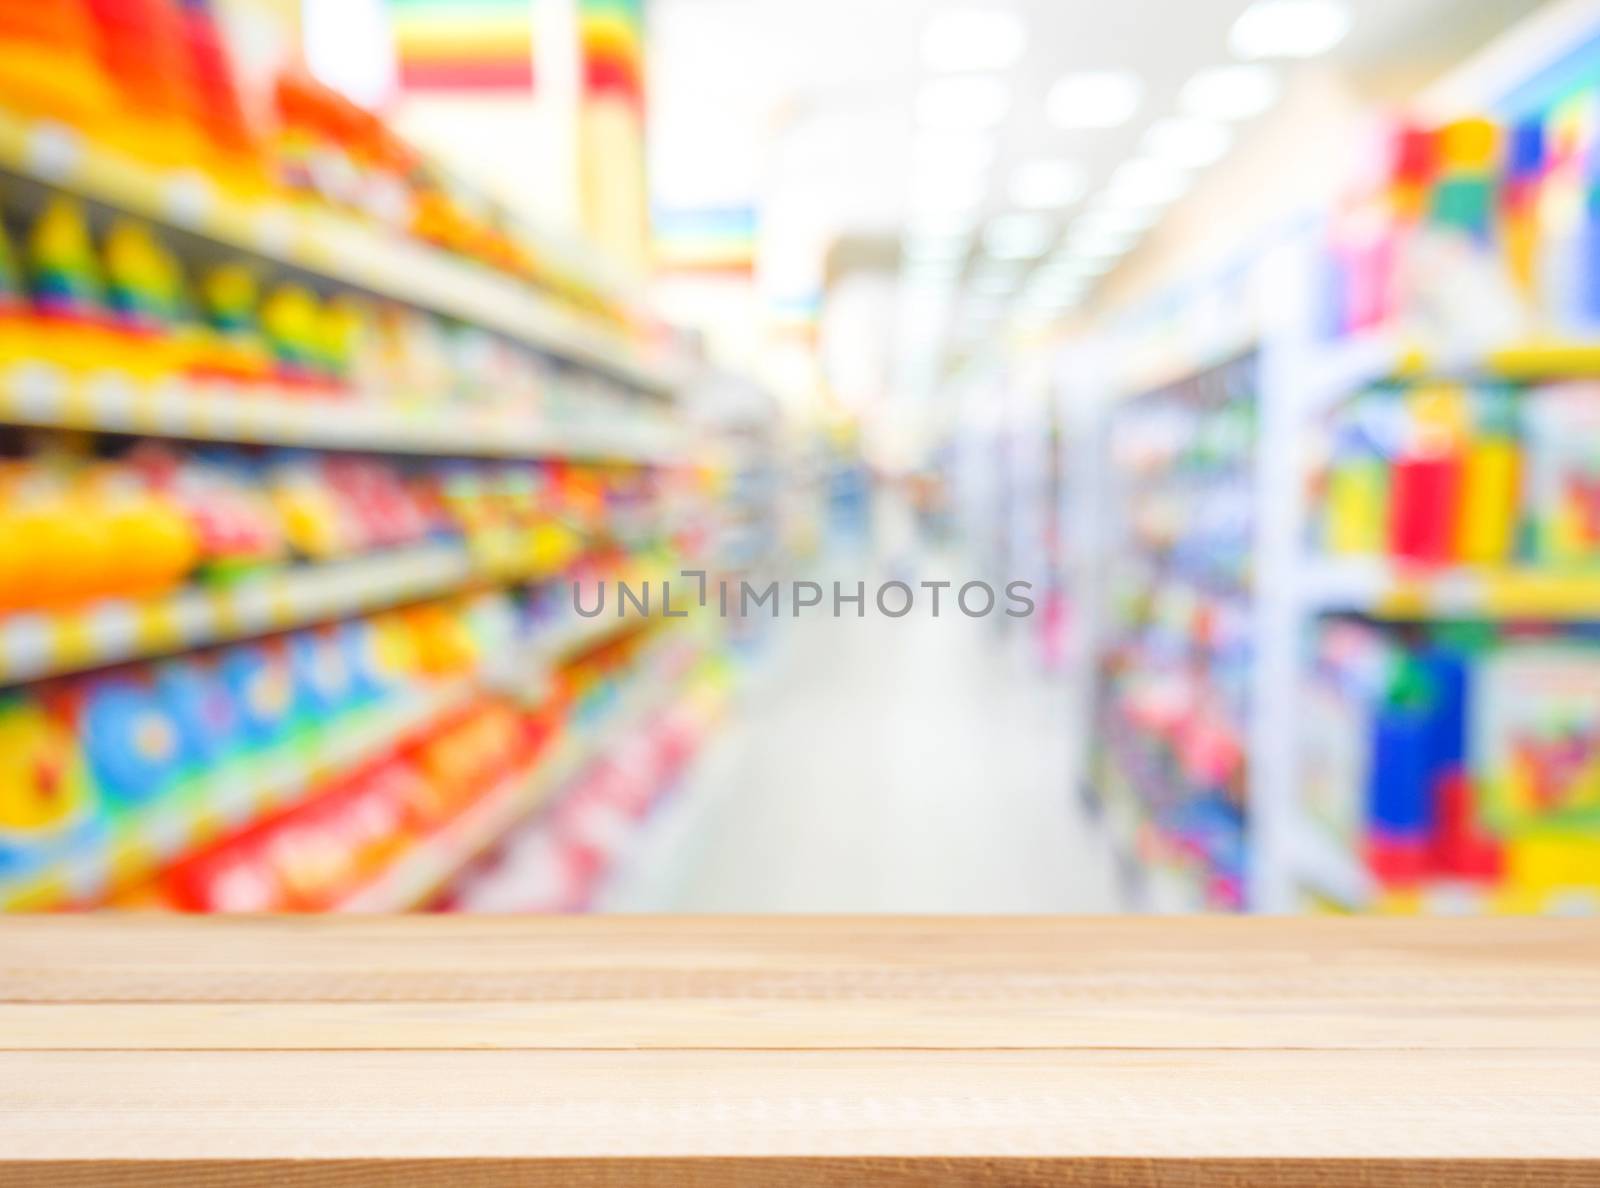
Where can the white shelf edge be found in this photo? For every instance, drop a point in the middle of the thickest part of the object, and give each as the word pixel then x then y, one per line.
pixel 31 643
pixel 45 396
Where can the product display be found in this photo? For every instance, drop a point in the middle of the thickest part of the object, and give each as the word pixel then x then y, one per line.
pixel 580 837
pixel 89 298
pixel 317 756
pixel 346 464
pixel 303 444
pixel 1481 230
pixel 1471 771
pixel 1175 665
pixel 88 527
pixel 1346 651
pixel 151 79
pixel 1445 753
pixel 137 761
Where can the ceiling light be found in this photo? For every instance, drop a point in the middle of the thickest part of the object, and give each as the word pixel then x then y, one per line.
pixel 1100 244
pixel 1098 258
pixel 916 351
pixel 1059 299
pixel 929 174
pixel 995 282
pixel 1052 290
pixel 1061 271
pixel 1046 184
pixel 1189 142
pixel 921 302
pixel 947 195
pixel 1018 236
pixel 1091 266
pixel 1146 181
pixel 929 272
pixel 963 104
pixel 1094 99
pixel 1229 92
pixel 923 320
pixel 926 223
pixel 1289 28
pixel 973 39
pixel 969 152
pixel 934 249
pixel 1117 218
pixel 1049 303
pixel 923 277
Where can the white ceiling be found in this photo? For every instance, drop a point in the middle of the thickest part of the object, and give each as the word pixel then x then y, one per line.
pixel 805 108
pixel 809 102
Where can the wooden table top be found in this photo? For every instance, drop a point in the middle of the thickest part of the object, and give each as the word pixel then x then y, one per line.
pixel 793 1051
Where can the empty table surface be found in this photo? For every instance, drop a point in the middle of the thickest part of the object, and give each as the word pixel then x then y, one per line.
pixel 798 1051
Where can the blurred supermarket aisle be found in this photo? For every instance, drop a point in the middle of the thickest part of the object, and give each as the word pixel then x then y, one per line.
pixel 912 765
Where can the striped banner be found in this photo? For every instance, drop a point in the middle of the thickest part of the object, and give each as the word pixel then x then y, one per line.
pixel 718 239
pixel 463 45
pixel 612 36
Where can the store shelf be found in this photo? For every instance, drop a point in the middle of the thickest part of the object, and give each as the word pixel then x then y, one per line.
pixel 430 865
pixel 329 245
pixel 1345 368
pixel 229 796
pixel 525 673
pixel 570 637
pixel 1384 590
pixel 44 396
pixel 34 645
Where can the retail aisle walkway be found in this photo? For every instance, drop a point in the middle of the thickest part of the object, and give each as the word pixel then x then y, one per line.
pixel 876 765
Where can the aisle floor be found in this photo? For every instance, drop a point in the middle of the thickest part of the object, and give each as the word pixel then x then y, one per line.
pixel 877 765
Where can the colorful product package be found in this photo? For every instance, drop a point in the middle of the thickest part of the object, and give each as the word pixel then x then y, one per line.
pixel 1537 735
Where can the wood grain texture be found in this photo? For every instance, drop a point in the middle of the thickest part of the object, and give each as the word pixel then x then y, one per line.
pixel 791 1051
pixel 810 1172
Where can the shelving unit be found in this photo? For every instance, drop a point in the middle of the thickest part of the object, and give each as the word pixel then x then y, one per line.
pixel 36 645
pixel 226 798
pixel 1174 599
pixel 324 635
pixel 425 868
pixel 1299 854
pixel 1299 857
pixel 1385 590
pixel 328 245
pixel 1292 857
pixel 254 786
pixel 47 397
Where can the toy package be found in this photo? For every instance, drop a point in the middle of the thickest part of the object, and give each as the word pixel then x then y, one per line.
pixel 1537 736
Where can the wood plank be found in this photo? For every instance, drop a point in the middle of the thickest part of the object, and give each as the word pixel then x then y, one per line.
pixel 1242 1019
pixel 661 1104
pixel 791 1051
pixel 375 959
pixel 813 1172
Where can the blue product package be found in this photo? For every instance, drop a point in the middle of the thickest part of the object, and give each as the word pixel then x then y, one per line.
pixel 1525 155
pixel 133 741
pixel 202 708
pixel 370 677
pixel 1401 775
pixel 1448 675
pixel 262 688
pixel 322 676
